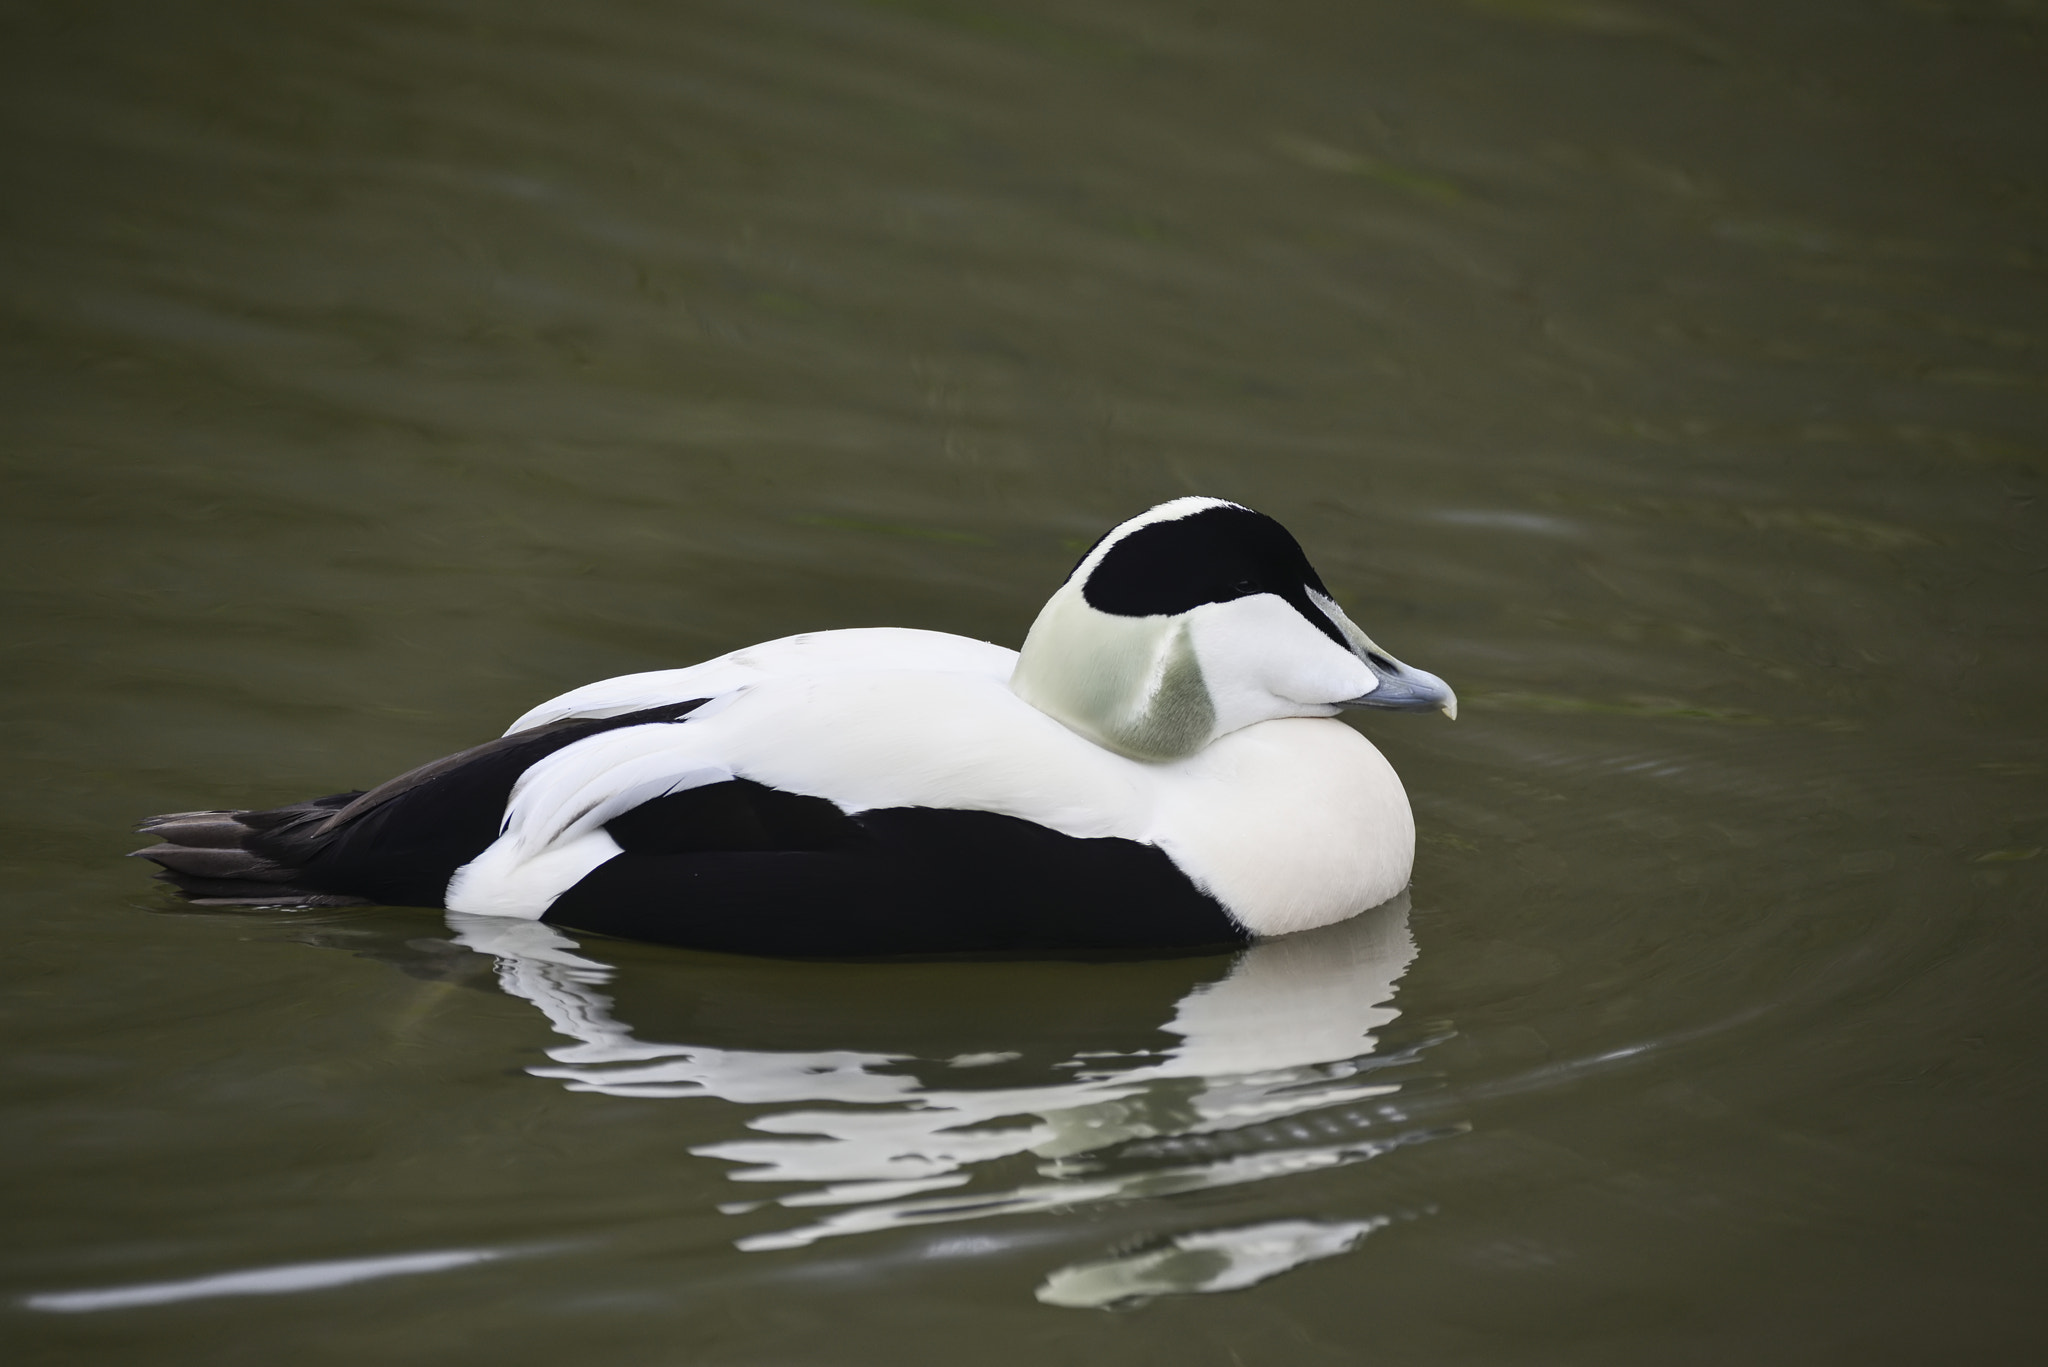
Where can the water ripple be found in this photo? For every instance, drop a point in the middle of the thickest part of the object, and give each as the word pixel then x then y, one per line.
pixel 1273 1073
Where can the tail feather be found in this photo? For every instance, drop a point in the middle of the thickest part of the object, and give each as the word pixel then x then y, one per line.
pixel 397 844
pixel 197 830
pixel 216 862
pixel 232 859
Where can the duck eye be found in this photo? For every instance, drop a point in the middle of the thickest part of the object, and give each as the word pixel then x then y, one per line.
pixel 1244 587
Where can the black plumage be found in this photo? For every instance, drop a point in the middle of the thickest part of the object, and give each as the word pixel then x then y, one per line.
pixel 735 866
pixel 397 844
pixel 898 880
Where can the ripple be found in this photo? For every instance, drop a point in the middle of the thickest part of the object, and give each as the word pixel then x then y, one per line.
pixel 1204 1261
pixel 265 1281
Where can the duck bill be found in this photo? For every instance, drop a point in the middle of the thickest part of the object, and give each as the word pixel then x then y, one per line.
pixel 1402 688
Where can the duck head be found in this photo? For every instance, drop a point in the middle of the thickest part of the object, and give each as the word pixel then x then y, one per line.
pixel 1198 618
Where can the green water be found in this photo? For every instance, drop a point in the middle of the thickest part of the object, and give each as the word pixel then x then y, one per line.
pixel 1672 378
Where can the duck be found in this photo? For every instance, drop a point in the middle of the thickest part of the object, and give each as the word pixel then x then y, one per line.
pixel 1160 767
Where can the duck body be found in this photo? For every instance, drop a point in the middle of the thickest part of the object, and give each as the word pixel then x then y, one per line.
pixel 885 791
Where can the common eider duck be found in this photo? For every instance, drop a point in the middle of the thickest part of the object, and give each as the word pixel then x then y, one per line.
pixel 1158 768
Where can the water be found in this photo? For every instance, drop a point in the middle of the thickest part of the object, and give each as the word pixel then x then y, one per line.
pixel 1668 377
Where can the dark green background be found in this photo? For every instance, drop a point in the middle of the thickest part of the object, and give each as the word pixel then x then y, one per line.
pixel 1669 376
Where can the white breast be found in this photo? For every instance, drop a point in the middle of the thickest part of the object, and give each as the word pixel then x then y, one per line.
pixel 1291 824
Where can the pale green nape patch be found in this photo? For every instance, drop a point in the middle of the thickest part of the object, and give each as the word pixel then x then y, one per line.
pixel 1130 684
pixel 1179 717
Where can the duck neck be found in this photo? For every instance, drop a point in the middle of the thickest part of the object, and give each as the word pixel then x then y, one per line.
pixel 1130 684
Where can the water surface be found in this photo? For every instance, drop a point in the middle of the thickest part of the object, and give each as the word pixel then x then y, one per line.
pixel 1669 377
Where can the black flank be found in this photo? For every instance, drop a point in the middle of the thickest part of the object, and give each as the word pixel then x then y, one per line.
pixel 896 881
pixel 733 817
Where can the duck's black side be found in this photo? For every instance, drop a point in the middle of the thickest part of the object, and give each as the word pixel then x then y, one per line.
pixel 736 866
pixel 893 881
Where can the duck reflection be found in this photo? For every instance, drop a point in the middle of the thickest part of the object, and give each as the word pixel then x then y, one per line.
pixel 903 1081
